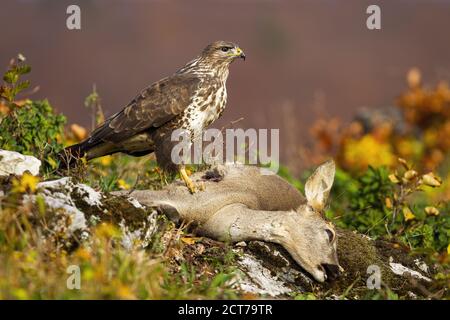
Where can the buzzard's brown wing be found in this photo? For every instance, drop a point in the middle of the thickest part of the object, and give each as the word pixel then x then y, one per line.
pixel 152 108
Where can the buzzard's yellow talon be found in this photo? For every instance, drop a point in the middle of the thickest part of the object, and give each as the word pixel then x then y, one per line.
pixel 191 186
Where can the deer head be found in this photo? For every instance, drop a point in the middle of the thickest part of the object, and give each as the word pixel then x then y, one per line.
pixel 304 233
pixel 310 239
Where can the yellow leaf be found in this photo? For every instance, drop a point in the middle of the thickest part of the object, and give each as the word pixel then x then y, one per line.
pixel 124 292
pixel 388 203
pixel 123 184
pixel 408 214
pixel 393 178
pixel 430 179
pixel 88 273
pixel 448 249
pixel 190 240
pixel 106 161
pixel 106 230
pixel 52 163
pixel 20 294
pixel 83 254
pixel 27 182
pixel 78 131
pixel 410 174
pixel 431 211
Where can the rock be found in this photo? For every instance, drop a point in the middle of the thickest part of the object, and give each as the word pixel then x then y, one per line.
pixel 72 208
pixel 258 279
pixel 15 163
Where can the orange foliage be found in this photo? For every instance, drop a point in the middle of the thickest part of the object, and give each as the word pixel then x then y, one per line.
pixel 375 138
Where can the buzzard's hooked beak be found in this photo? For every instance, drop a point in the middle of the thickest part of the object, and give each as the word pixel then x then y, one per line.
pixel 239 53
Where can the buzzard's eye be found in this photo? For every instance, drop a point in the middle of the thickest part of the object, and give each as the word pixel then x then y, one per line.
pixel 225 49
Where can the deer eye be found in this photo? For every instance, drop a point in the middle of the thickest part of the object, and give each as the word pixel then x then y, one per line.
pixel 330 235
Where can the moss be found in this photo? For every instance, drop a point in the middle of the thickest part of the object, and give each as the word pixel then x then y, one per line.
pixel 115 209
pixel 356 253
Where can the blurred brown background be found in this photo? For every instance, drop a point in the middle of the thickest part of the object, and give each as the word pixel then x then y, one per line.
pixel 305 58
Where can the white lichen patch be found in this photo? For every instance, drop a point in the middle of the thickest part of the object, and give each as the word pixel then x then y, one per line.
pixel 63 196
pixel 258 279
pixel 135 203
pixel 57 196
pixel 151 227
pixel 57 199
pixel 67 186
pixel 60 203
pixel 422 265
pixel 130 239
pixel 94 220
pixel 364 236
pixel 60 184
pixel 141 237
pixel 401 270
pixel 88 195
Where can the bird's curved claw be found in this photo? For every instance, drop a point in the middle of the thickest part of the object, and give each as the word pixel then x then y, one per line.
pixel 191 186
pixel 188 181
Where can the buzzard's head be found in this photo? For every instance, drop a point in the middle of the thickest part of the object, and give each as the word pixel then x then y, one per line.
pixel 222 52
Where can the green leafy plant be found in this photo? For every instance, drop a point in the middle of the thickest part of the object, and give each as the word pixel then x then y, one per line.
pixel 391 205
pixel 13 85
pixel 367 212
pixel 31 127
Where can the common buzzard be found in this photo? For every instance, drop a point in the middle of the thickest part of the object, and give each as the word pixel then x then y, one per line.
pixel 191 99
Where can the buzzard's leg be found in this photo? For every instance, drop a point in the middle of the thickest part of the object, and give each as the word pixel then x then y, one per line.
pixel 191 186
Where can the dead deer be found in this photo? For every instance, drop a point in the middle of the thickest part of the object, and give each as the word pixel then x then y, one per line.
pixel 242 203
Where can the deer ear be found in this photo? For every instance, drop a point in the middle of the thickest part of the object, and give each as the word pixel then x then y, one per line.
pixel 318 185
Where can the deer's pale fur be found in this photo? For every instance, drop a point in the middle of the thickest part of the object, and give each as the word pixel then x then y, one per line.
pixel 240 203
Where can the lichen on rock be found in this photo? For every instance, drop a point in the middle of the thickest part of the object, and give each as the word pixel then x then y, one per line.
pixel 73 208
